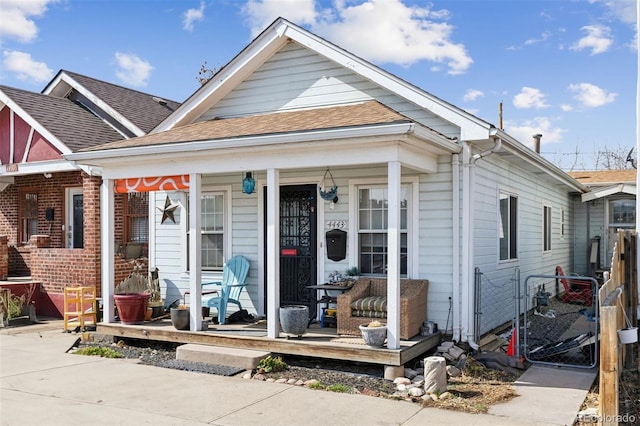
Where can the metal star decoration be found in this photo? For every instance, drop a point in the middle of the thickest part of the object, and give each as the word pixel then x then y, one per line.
pixel 167 210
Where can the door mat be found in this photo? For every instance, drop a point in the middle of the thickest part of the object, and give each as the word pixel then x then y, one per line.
pixel 349 340
pixel 201 367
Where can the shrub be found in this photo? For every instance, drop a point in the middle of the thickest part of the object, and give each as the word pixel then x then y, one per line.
pixel 271 364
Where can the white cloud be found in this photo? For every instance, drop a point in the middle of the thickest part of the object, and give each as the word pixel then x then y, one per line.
pixel 133 70
pixel 529 98
pixel 16 22
pixel 472 95
pixel 624 10
pixel 395 33
pixel 525 130
pixel 543 37
pixel 590 95
pixel 566 107
pixel 261 13
pixel 597 39
pixel 191 16
pixel 25 67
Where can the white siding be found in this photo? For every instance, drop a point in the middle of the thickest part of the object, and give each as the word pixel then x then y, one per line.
pixel 297 78
pixel 499 278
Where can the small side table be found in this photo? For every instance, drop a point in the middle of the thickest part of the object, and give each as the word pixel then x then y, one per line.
pixel 327 299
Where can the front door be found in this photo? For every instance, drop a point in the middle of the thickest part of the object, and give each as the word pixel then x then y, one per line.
pixel 298 248
pixel 74 218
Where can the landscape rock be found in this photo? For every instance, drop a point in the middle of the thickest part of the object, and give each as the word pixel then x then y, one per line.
pixel 402 380
pixel 453 371
pixel 410 373
pixel 416 392
pixel 259 377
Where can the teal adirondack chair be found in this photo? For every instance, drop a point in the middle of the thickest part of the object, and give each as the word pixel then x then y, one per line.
pixel 234 275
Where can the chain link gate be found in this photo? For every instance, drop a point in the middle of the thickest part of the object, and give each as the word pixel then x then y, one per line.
pixel 560 321
pixel 496 307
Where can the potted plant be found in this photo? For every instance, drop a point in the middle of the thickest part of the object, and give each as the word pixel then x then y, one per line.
pixel 132 298
pixel 180 317
pixel 155 300
pixel 374 333
pixel 352 275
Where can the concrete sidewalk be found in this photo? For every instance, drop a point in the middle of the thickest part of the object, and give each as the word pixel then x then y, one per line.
pixel 43 385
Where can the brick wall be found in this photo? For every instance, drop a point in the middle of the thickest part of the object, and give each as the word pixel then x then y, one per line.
pixel 45 258
pixel 4 257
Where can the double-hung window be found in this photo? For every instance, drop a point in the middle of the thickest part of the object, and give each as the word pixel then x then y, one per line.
pixel 508 232
pixel 372 229
pixel 213 218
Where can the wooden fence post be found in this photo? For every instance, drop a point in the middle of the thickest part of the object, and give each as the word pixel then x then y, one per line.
pixel 608 409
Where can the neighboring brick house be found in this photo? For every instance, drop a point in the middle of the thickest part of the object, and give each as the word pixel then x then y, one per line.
pixel 49 207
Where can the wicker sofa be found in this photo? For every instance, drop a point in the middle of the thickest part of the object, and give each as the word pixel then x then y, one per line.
pixel 367 300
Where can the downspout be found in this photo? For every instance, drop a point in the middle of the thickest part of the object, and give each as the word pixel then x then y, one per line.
pixel 469 325
pixel 455 178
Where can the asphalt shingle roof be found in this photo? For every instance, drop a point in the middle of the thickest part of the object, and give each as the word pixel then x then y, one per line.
pixel 601 177
pixel 72 124
pixel 363 114
pixel 137 107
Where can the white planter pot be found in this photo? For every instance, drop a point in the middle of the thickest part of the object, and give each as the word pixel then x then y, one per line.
pixel 374 336
pixel 628 335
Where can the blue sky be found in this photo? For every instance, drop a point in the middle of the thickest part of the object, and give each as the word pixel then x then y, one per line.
pixel 565 69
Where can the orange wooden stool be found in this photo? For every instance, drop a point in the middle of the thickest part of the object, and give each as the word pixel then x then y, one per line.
pixel 80 307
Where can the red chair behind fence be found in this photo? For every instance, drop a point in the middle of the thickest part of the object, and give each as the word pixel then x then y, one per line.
pixel 575 290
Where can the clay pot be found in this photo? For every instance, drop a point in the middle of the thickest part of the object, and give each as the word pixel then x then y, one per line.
pixel 132 307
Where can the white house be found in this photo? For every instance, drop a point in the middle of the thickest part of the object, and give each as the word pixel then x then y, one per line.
pixel 425 189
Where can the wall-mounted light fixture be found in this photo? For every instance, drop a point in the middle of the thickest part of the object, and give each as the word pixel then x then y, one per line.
pixel 248 184
pixel 47 175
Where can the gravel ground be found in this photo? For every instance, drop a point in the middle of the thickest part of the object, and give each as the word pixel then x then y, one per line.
pixel 358 376
pixel 474 391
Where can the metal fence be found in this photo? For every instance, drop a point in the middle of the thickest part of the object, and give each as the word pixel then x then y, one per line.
pixel 556 316
pixel 560 320
pixel 495 308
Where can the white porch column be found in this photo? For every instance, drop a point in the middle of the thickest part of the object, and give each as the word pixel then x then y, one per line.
pixel 273 253
pixel 107 242
pixel 393 256
pixel 195 253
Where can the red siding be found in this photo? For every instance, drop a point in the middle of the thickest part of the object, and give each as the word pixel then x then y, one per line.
pixel 5 129
pixel 42 150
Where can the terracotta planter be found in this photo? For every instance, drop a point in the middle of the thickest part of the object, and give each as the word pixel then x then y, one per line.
pixel 132 307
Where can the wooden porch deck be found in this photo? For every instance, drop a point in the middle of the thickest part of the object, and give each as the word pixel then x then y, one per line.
pixel 316 342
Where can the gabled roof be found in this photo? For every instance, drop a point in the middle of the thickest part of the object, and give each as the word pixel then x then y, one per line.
pixel 348 116
pixel 142 110
pixel 72 125
pixel 605 177
pixel 274 38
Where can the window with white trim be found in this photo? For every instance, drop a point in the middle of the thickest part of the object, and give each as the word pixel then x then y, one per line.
pixel 508 234
pixel 563 224
pixel 212 230
pixel 546 228
pixel 372 229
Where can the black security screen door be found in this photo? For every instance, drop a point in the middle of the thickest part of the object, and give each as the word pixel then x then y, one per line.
pixel 298 255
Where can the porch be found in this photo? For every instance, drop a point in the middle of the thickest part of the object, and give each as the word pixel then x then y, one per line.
pixel 317 342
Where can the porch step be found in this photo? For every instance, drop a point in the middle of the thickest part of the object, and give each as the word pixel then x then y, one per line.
pixel 220 355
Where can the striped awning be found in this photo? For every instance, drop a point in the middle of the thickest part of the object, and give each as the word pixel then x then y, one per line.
pixel 148 184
